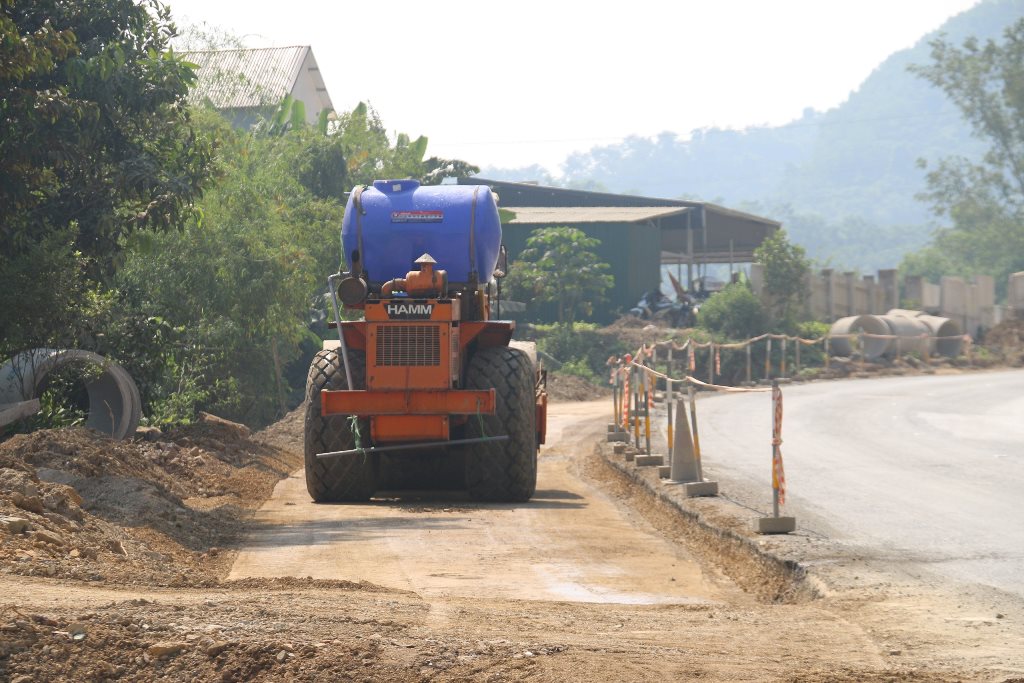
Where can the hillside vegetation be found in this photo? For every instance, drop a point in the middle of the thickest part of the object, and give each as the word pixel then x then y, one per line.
pixel 843 181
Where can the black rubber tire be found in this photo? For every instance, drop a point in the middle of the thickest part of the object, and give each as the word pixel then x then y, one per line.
pixel 503 471
pixel 345 478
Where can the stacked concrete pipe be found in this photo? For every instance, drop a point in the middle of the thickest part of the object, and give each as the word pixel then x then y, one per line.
pixel 915 332
pixel 115 405
pixel 874 347
pixel 913 336
pixel 946 335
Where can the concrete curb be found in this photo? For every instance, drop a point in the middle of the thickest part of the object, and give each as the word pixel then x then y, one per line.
pixel 794 583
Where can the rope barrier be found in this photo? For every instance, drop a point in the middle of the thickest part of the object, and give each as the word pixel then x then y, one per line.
pixel 635 377
pixel 636 380
pixel 714 360
pixel 690 342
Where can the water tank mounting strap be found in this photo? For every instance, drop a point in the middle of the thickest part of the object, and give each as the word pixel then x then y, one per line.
pixel 472 235
pixel 357 201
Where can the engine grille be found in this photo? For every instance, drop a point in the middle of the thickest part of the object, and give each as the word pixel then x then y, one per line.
pixel 408 345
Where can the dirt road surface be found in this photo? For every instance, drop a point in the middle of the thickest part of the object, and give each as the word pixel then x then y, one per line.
pixel 570 543
pixel 593 580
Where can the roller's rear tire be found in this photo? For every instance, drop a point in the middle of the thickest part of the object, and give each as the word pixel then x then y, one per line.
pixel 344 478
pixel 503 471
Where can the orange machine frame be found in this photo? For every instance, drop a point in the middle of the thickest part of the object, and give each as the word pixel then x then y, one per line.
pixel 414 350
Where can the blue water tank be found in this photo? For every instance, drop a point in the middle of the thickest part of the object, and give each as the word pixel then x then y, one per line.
pixel 401 221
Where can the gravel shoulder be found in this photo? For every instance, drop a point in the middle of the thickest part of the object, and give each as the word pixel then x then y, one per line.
pixel 597 579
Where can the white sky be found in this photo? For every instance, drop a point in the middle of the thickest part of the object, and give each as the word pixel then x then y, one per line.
pixel 514 83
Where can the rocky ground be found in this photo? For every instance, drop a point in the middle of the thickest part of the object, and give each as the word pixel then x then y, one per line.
pixel 114 558
pixel 77 505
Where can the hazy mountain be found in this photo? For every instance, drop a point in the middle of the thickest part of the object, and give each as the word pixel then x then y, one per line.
pixel 844 181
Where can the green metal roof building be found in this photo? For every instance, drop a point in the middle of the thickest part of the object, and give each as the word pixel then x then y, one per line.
pixel 638 234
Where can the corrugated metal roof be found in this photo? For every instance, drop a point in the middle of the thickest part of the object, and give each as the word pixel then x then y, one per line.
pixel 554 215
pixel 246 78
pixel 532 194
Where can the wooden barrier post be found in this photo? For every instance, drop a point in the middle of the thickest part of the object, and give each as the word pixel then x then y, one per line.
pixel 648 389
pixel 670 403
pixel 627 389
pixel 768 359
pixel 636 407
pixel 749 381
pixel 711 363
pixel 776 524
pixel 615 397
pixel 782 364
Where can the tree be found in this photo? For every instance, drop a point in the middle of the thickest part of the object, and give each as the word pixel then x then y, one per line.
pixel 96 130
pixel 436 169
pixel 983 200
pixel 96 144
pixel 558 266
pixel 369 152
pixel 786 268
pixel 237 285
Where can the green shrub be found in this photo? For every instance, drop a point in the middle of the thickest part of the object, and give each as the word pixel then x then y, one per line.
pixel 812 329
pixel 733 313
pixel 579 348
pixel 579 368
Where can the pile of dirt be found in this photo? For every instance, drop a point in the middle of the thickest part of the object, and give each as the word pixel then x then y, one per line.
pixel 634 332
pixel 158 510
pixel 287 433
pixel 564 387
pixel 1006 342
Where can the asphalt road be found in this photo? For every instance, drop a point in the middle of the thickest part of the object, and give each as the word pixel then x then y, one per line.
pixel 925 471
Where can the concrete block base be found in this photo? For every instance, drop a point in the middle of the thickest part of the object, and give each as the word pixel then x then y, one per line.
pixel 629 453
pixel 664 471
pixel 775 525
pixel 696 489
pixel 650 460
pixel 619 448
pixel 618 436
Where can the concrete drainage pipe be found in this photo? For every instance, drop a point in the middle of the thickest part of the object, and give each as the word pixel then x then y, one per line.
pixel 873 347
pixel 115 405
pixel 948 335
pixel 914 335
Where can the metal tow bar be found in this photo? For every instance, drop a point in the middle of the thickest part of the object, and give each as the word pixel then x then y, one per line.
pixel 409 447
